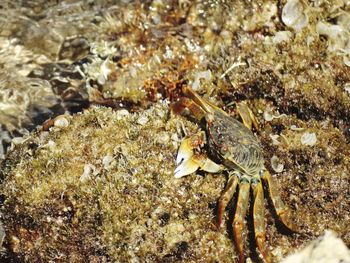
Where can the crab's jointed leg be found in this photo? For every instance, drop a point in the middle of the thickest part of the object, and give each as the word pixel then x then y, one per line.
pixel 247 116
pixel 281 210
pixel 179 106
pixel 205 105
pixel 258 217
pixel 238 221
pixel 226 197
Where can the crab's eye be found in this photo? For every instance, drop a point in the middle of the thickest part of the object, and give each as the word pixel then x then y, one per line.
pixel 223 149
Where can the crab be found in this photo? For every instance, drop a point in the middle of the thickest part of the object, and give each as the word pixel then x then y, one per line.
pixel 234 148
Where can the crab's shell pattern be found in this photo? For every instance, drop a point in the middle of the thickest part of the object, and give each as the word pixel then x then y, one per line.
pixel 234 144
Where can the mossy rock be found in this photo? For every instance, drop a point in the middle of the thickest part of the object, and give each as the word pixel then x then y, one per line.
pixel 102 189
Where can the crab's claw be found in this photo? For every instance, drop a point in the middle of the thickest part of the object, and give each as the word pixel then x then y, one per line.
pixel 185 168
pixel 185 151
pixel 247 116
pixel 189 162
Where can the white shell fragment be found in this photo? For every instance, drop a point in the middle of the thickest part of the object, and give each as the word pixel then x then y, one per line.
pixel 344 20
pixel 274 138
pixel 51 144
pixel 61 121
pixel 162 138
pixel 120 114
pixel 269 115
pixel 201 75
pixel 142 120
pixel 295 128
pixel 18 140
pixel 308 139
pixel 276 165
pixel 89 170
pixel 293 15
pixel 282 36
pixel 107 162
pixel 338 37
pixel 346 60
pixel 347 87
pixel 325 249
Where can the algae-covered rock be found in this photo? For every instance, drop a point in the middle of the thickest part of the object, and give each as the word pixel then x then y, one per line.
pixel 103 188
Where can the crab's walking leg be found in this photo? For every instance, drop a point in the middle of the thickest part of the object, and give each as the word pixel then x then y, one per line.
pixel 179 106
pixel 238 221
pixel 226 197
pixel 205 105
pixel 247 116
pixel 259 223
pixel 281 210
